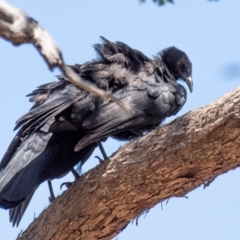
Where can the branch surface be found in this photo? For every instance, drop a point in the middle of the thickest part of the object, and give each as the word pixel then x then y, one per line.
pixel 168 162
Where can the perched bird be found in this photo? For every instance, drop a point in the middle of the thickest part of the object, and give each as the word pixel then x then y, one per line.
pixel 63 126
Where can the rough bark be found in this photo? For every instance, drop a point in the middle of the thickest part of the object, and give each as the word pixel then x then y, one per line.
pixel 18 28
pixel 168 162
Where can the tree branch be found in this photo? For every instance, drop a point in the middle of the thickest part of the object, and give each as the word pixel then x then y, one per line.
pixel 168 162
pixel 18 28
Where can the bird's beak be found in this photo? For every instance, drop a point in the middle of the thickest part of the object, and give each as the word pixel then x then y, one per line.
pixel 189 83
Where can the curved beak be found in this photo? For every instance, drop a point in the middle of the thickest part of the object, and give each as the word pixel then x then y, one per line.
pixel 189 83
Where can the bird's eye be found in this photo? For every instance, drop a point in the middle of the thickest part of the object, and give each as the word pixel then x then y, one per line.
pixel 179 64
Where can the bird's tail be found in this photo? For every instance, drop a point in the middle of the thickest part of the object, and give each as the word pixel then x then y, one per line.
pixel 40 157
pixel 15 214
pixel 21 174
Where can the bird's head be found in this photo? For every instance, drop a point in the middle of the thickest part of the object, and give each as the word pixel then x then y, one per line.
pixel 178 64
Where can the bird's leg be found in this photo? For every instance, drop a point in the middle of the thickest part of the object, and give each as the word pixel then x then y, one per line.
pixel 52 196
pixel 99 143
pixel 75 173
pixel 69 184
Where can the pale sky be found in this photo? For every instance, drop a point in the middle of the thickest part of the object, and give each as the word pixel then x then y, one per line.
pixel 207 31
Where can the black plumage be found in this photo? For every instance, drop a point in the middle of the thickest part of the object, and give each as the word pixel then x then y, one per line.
pixel 63 126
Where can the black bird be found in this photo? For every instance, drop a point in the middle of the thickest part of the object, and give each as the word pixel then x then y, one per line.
pixel 62 128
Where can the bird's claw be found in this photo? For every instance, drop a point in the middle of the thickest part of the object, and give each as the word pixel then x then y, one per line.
pixel 67 184
pixel 99 159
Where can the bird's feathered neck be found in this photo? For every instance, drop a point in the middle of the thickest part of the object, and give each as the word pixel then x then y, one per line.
pixel 162 69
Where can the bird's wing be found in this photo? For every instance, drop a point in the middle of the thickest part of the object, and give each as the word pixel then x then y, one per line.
pixel 50 99
pixel 39 97
pixel 110 72
pixel 56 102
pixel 151 103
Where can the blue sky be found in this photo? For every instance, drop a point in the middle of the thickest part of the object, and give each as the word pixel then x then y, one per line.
pixel 207 31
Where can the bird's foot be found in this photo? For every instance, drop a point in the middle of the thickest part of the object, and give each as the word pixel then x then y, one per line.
pixel 75 173
pixel 51 198
pixel 102 151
